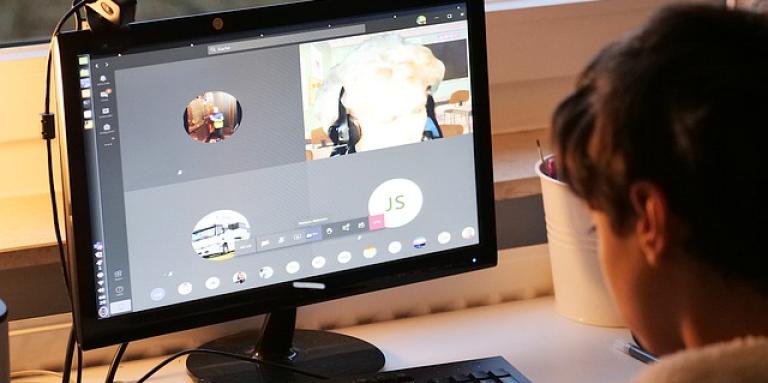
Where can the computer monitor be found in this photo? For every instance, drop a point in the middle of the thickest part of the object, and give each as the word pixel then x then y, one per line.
pixel 226 165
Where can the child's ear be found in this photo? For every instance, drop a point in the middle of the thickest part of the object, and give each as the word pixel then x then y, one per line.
pixel 652 211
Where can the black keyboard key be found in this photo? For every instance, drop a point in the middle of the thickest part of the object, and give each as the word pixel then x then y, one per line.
pixel 487 370
pixel 479 375
pixel 499 372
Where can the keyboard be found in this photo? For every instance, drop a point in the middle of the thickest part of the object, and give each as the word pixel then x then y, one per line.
pixel 486 370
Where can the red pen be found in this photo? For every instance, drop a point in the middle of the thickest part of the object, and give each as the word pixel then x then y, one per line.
pixel 549 164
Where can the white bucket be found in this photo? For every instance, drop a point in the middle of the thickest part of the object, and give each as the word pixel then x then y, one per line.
pixel 581 293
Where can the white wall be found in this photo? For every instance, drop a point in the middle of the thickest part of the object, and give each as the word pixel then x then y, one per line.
pixel 534 54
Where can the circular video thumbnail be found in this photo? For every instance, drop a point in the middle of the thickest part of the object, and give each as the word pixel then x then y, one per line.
pixel 212 117
pixel 220 234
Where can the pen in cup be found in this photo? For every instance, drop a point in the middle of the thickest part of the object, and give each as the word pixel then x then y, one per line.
pixel 634 351
pixel 548 163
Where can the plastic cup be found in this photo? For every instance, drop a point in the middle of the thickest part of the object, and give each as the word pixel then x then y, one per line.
pixel 581 293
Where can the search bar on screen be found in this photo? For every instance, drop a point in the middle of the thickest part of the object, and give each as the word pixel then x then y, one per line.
pixel 266 42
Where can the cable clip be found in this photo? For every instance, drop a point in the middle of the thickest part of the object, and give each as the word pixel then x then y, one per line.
pixel 49 126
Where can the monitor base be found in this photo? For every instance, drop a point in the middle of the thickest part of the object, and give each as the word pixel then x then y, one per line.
pixel 321 353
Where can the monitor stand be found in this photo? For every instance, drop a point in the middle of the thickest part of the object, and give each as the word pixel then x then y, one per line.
pixel 321 353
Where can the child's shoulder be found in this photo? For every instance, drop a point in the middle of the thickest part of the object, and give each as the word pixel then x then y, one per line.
pixel 742 360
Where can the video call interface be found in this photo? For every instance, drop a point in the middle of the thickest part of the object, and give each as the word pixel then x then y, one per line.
pixel 236 164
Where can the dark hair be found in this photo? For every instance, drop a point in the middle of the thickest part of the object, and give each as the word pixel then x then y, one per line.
pixel 682 103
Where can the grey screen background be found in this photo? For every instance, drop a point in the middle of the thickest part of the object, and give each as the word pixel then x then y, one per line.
pixel 261 172
pixel 151 102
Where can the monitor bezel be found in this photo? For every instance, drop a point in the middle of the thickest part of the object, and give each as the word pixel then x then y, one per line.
pixel 93 332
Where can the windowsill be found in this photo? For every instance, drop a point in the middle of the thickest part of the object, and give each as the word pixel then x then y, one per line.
pixel 28 238
pixel 514 157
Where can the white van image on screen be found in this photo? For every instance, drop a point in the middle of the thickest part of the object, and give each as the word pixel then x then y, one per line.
pixel 219 235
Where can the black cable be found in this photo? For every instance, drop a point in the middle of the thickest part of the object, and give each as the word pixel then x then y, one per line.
pixel 78 17
pixel 65 373
pixel 79 364
pixel 48 135
pixel 116 362
pixel 227 354
pixel 56 224
pixel 56 31
pixel 60 244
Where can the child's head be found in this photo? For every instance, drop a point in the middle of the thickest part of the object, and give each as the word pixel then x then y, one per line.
pixel 663 137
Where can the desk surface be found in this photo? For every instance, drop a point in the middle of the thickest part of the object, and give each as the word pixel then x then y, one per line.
pixel 529 334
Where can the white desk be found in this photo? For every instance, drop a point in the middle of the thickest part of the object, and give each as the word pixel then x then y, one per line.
pixel 546 347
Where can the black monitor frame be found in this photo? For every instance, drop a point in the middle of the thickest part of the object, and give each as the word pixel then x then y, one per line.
pixel 93 332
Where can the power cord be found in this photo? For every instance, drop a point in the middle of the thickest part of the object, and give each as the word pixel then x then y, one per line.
pixel 34 374
pixel 79 20
pixel 65 375
pixel 121 350
pixel 67 370
pixel 49 133
pixel 79 364
pixel 226 354
pixel 116 362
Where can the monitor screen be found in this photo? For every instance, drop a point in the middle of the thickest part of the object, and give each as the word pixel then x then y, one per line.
pixel 229 163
